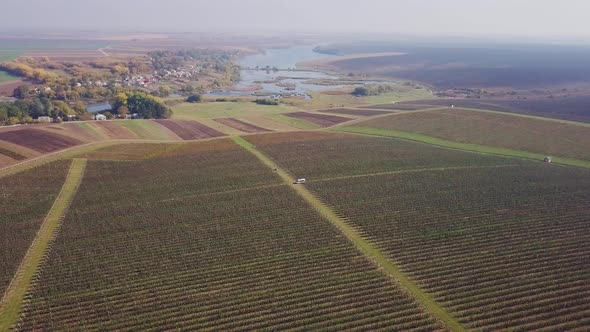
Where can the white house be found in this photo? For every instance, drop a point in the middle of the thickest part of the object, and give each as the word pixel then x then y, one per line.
pixel 100 117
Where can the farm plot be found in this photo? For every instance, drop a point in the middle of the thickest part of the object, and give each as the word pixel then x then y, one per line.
pixel 502 249
pixel 11 154
pixel 132 151
pixel 72 130
pixel 38 140
pixel 241 125
pixel 189 130
pixel 26 198
pixel 574 108
pixel 493 129
pixel 112 130
pixel 353 111
pixel 146 129
pixel 65 55
pixel 234 261
pixel 318 155
pixel 402 106
pixel 184 169
pixel 321 120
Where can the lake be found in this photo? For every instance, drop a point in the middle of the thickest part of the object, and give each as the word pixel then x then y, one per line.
pixel 285 82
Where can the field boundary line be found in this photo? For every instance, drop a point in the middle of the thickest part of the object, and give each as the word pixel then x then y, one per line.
pixel 469 147
pixel 46 158
pixel 367 118
pixel 30 267
pixel 417 170
pixel 365 246
pixel 524 115
pixel 89 147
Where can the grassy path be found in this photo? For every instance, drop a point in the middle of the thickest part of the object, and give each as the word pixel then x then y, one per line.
pixel 391 133
pixel 416 170
pixel 365 246
pixel 12 302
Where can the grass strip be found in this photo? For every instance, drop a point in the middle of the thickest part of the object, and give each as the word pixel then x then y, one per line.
pixel 365 246
pixel 485 149
pixel 13 300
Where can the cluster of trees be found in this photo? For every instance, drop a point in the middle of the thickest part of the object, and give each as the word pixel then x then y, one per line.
pixel 29 110
pixel 373 90
pixel 24 70
pixel 172 59
pixel 65 90
pixel 145 105
pixel 194 99
pixel 267 102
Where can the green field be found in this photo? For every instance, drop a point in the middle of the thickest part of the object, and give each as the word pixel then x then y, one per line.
pixel 5 77
pixel 6 55
pixel 146 129
pixel 209 110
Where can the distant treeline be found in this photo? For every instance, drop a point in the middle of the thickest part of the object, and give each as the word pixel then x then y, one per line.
pixel 144 105
pixel 373 90
pixel 29 110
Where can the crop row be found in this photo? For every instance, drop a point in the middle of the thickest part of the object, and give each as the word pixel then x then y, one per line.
pixel 25 200
pixel 501 248
pixel 494 129
pixel 190 169
pixel 319 155
pixel 224 260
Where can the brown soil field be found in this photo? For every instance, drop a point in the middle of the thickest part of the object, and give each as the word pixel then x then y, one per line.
pixel 28 153
pixel 6 161
pixel 12 154
pixel 111 130
pixel 353 111
pixel 38 140
pixel 241 125
pixel 189 130
pixel 319 119
pixel 494 129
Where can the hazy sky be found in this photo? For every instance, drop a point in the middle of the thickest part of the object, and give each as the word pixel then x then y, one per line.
pixel 429 17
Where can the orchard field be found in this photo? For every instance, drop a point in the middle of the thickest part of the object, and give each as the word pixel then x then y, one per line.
pixel 494 129
pixel 26 198
pixel 323 155
pixel 501 243
pixel 203 237
pixel 213 235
